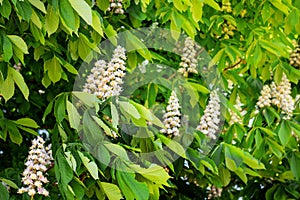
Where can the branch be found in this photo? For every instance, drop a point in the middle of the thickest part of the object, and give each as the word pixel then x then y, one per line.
pixel 230 67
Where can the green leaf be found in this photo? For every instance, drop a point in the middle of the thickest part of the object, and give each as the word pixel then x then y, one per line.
pixel 151 94
pixel 154 173
pixel 47 111
pixel 97 24
pixel 236 154
pixel 266 12
pixel 103 4
pixel 130 187
pixel 129 108
pixel 52 21
pixel 284 133
pixel 19 80
pixel 8 87
pixel 111 34
pixel 269 46
pixel 9 183
pixel 267 131
pixel 29 130
pixel 147 114
pixel 7 48
pixel 114 115
pixel 54 69
pixel 132 59
pixel 275 148
pixel 39 5
pixel 175 31
pixel 88 99
pixel 74 117
pixel 280 6
pixel 67 65
pixel 27 122
pixel 117 150
pixel 24 9
pixel 104 126
pixel 230 164
pixel 241 174
pixel 5 9
pixel 14 133
pixel 212 4
pixel 63 171
pixel 90 165
pixel 287 175
pixel 179 5
pixel 18 54
pixel 67 14
pixel 225 176
pixel 19 42
pixel 134 43
pixel 112 191
pixel 83 9
pixel 295 164
pixel 36 20
pixel 85 48
pixel 4 195
pixel 60 108
pixel 197 10
pixel 200 88
pixel 173 145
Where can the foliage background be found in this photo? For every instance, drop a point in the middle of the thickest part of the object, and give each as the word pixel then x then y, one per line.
pixel 51 38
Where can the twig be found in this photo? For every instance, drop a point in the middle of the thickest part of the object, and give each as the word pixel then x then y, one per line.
pixel 230 67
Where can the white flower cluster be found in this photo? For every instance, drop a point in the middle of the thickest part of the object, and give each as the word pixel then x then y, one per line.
pixel 282 96
pixel 116 6
pixel 189 58
pixel 105 79
pixel 209 122
pixel 295 57
pixel 214 193
pixel 234 117
pixel 37 161
pixel 265 97
pixel 172 116
pixel 278 95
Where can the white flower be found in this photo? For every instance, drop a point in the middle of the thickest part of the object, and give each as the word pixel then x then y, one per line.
pixel 18 67
pixel 265 97
pixel 116 6
pixel 282 97
pixel 188 59
pixel 172 116
pixel 295 57
pixel 209 122
pixel 33 176
pixel 214 193
pixel 278 95
pixel 105 78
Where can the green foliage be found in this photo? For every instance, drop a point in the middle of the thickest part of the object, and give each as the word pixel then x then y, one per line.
pixel 258 158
